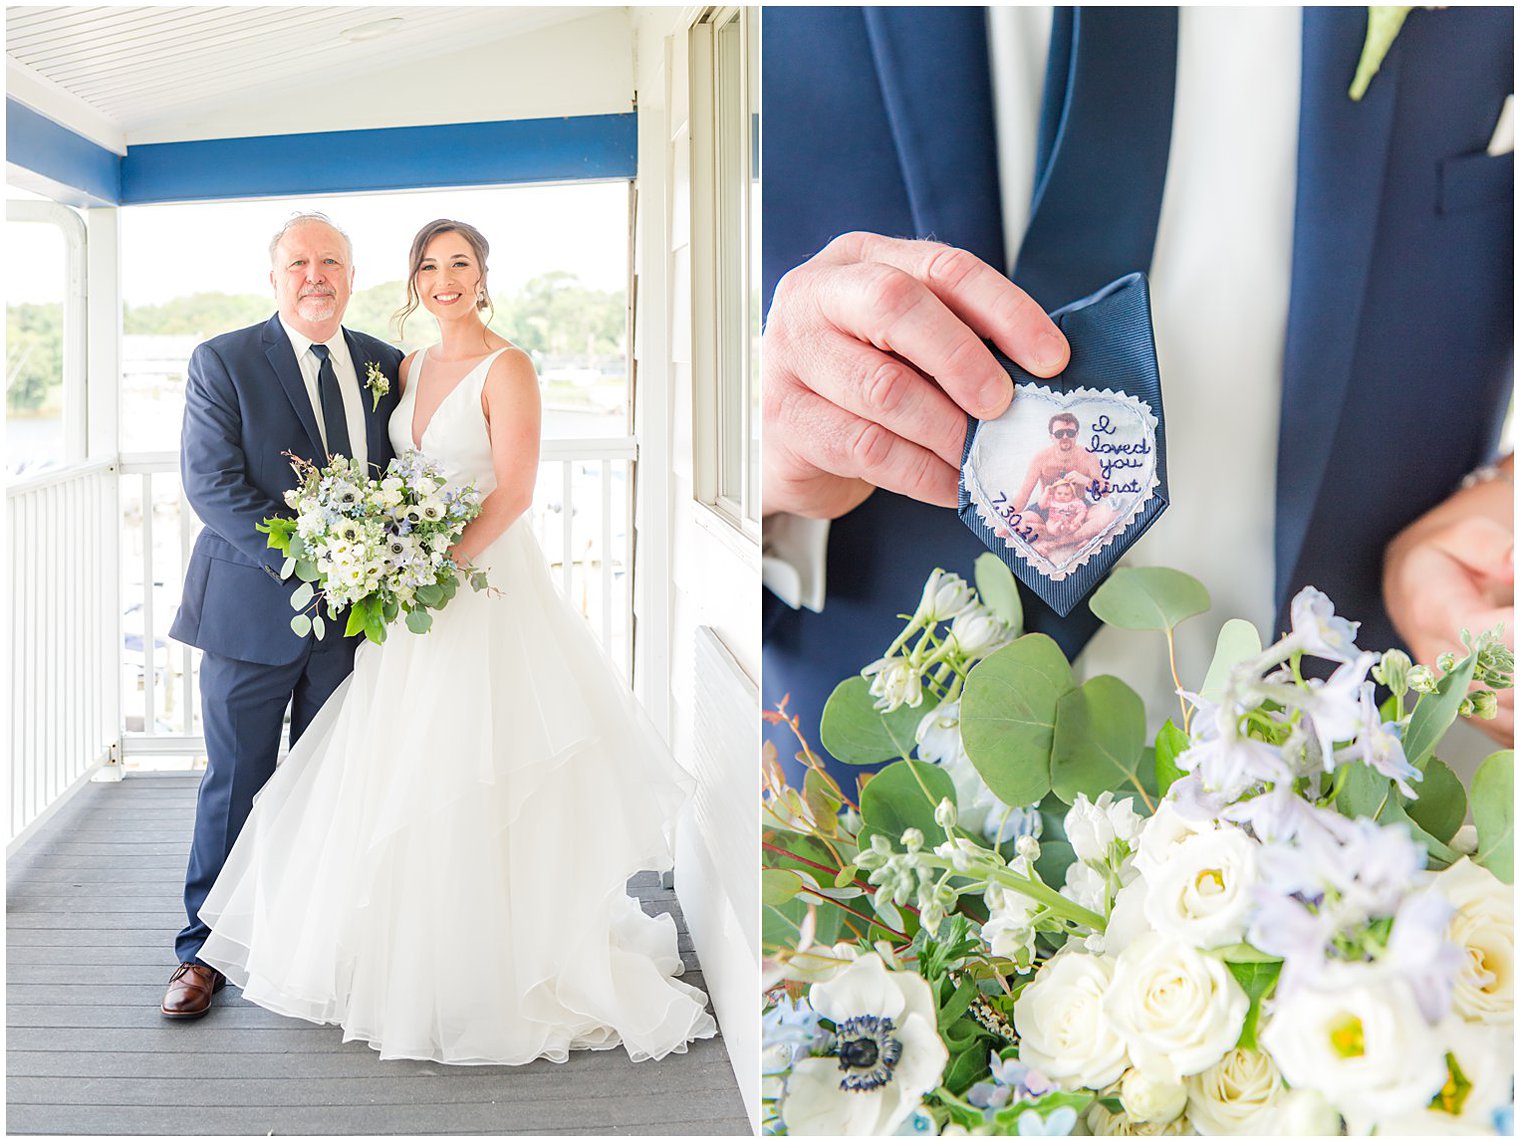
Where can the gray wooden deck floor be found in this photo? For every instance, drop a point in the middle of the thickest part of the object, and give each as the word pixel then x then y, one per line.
pixel 93 903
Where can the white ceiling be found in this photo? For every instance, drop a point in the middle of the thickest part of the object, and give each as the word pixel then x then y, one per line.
pixel 110 71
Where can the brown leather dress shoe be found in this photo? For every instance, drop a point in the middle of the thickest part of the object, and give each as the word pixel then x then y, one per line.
pixel 190 990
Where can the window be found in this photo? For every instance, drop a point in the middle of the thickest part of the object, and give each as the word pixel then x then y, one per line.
pixel 725 181
pixel 44 335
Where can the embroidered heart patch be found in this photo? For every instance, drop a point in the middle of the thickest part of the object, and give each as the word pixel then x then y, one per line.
pixel 1060 476
pixel 1074 472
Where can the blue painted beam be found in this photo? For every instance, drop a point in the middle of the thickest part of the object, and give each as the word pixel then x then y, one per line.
pixel 37 143
pixel 577 148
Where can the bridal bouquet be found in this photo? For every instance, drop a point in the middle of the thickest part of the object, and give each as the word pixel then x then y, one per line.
pixel 377 548
pixel 1271 919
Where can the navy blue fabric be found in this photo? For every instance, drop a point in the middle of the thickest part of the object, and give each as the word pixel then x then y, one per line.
pixel 1112 347
pixel 1400 337
pixel 242 745
pixel 334 416
pixel 246 404
pixel 1109 91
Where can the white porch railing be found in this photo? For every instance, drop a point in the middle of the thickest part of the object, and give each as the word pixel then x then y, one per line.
pixel 63 633
pixel 582 515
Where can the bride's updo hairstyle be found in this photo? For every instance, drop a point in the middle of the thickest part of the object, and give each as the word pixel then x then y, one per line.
pixel 478 245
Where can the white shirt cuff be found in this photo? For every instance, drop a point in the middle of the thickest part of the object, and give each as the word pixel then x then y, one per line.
pixel 794 559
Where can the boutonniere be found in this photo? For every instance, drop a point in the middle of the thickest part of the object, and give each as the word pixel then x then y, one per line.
pixel 1383 24
pixel 377 383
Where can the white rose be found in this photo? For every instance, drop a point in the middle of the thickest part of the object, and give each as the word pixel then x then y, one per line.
pixel 1201 892
pixel 1178 1010
pixel 888 1054
pixel 1160 832
pixel 1306 1114
pixel 1484 928
pixel 1148 1099
pixel 1092 827
pixel 1065 1032
pixel 1486 1058
pixel 1237 1095
pixel 1365 1047
pixel 1105 1123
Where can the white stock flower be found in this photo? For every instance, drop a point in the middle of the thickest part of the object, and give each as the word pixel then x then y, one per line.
pixel 1240 1094
pixel 895 683
pixel 1086 887
pixel 1152 1100
pixel 978 808
pixel 1009 930
pixel 1064 1029
pixel 1178 1010
pixel 945 596
pixel 887 1054
pixel 1483 927
pixel 1093 827
pixel 1201 892
pixel 1485 1061
pixel 1366 1048
pixel 978 632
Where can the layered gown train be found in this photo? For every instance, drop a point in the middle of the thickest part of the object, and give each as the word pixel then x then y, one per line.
pixel 439 865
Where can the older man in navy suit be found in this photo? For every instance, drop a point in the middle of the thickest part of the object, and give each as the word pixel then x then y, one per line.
pixel 1332 279
pixel 293 384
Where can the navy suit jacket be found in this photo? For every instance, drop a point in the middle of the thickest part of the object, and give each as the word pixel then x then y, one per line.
pixel 245 404
pixel 1399 352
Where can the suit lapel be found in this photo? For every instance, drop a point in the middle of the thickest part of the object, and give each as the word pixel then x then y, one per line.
pixel 1343 149
pixel 936 84
pixel 282 357
pixel 376 426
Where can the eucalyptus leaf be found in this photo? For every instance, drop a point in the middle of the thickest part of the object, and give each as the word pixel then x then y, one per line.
pixel 301 598
pixel 306 571
pixel 1055 858
pixel 1148 598
pixel 430 594
pixel 821 799
pixel 778 885
pixel 904 796
pixel 301 624
pixel 999 591
pixel 287 568
pixel 1493 810
pixel 1008 717
pixel 1441 804
pixel 419 621
pixel 781 924
pixel 1238 641
pixel 318 626
pixel 1099 739
pixel 857 733
pixel 296 548
pixel 1365 793
pixel 1170 742
pixel 1435 712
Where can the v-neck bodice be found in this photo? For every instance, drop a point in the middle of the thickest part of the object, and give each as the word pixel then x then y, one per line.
pixel 456 436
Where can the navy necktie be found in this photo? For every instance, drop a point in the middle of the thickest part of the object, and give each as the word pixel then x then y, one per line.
pixel 334 416
pixel 1100 167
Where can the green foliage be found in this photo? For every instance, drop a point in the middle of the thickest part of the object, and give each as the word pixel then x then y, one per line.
pixel 419 621
pixel 999 591
pixel 1238 641
pixel 1170 741
pixel 1148 598
pixel 1493 810
pixel 33 357
pixel 855 732
pixel 301 624
pixel 1435 712
pixel 1008 717
pixel 1099 736
pixel 778 885
pixel 1441 805
pixel 903 796
pixel 1256 979
pixel 201 315
pixel 554 314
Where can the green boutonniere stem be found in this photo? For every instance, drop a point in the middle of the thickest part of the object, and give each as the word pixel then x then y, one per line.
pixel 1383 24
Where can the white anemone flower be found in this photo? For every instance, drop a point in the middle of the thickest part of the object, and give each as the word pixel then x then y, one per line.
pixel 886 1054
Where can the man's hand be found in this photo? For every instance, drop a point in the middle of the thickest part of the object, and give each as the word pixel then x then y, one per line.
pixel 1454 567
pixel 873 356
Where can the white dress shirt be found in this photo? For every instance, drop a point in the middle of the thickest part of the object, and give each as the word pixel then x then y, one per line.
pixel 1219 296
pixel 348 386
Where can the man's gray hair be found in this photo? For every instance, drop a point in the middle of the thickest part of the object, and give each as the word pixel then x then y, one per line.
pixel 301 220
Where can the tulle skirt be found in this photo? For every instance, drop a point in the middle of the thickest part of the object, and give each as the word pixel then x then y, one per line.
pixel 440 863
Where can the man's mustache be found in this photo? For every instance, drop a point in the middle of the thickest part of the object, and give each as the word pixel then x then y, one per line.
pixel 320 291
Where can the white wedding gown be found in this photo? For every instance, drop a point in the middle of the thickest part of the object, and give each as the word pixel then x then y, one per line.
pixel 439 865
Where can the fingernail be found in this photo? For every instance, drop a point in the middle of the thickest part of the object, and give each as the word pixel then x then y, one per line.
pixel 1049 349
pixel 995 395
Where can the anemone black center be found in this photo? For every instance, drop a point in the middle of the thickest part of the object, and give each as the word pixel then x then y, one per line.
pixel 859 1053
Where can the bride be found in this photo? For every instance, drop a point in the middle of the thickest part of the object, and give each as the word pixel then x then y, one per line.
pixel 440 863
